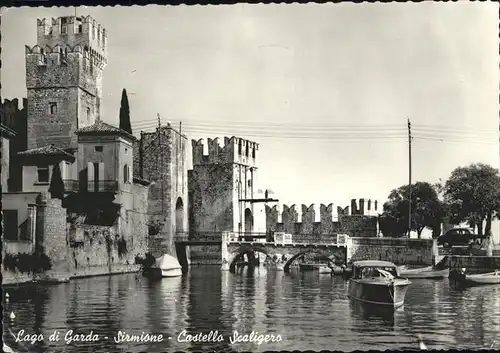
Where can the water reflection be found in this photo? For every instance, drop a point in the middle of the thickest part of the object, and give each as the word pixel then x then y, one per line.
pixel 309 311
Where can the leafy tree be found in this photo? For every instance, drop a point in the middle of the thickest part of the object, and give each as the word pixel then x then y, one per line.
pixel 473 196
pixel 427 210
pixel 125 113
pixel 56 187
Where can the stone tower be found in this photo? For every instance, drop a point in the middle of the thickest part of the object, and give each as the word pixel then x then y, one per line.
pixel 64 79
pixel 218 184
pixel 161 158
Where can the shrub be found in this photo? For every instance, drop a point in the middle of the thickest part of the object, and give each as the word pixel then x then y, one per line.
pixel 27 263
pixel 122 247
pixel 147 261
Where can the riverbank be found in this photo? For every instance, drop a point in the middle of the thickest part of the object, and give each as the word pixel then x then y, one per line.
pixel 10 278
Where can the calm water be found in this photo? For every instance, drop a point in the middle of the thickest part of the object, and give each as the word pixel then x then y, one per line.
pixel 310 312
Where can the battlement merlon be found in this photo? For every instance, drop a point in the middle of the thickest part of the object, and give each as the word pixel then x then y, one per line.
pixel 72 30
pixel 234 150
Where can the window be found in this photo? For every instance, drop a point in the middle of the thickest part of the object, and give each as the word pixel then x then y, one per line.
pixel 53 108
pixel 246 150
pixel 249 183
pixel 253 152
pixel 88 115
pixel 10 224
pixel 239 147
pixel 125 173
pixel 43 174
pixel 64 28
pixel 98 148
pixel 80 28
pixel 126 150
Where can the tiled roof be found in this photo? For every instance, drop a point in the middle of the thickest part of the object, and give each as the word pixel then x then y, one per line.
pixel 48 151
pixel 100 127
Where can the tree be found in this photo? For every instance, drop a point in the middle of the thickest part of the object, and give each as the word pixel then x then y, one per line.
pixel 125 113
pixel 427 210
pixel 473 195
pixel 56 187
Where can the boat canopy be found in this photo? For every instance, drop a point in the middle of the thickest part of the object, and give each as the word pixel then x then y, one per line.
pixel 167 262
pixel 374 263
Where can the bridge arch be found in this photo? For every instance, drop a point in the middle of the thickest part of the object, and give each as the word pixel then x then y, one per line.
pixel 235 256
pixel 331 257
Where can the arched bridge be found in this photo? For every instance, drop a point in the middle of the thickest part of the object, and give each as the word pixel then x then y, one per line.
pixel 234 249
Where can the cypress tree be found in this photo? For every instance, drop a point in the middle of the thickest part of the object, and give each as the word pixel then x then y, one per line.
pixel 56 188
pixel 125 113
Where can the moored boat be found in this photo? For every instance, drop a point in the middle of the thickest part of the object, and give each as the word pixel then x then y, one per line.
pixel 425 272
pixel 377 282
pixel 324 269
pixel 167 266
pixel 481 278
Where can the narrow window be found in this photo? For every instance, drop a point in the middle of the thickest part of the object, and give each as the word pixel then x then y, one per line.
pixel 88 115
pixel 239 147
pixel 53 108
pixel 126 150
pixel 253 152
pixel 10 225
pixel 98 148
pixel 43 174
pixel 125 173
pixel 80 29
pixel 63 25
pixel 246 149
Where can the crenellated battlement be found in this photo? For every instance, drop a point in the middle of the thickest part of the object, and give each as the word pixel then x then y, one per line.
pixel 72 30
pixel 315 213
pixel 234 150
pixel 64 54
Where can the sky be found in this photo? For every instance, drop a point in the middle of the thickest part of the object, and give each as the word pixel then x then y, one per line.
pixel 325 89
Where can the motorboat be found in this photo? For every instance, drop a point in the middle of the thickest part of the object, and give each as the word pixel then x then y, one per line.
pixel 167 266
pixel 425 272
pixel 377 282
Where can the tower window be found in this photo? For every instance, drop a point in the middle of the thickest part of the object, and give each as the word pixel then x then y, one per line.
pixel 246 150
pixel 42 174
pixel 53 108
pixel 253 152
pixel 239 147
pixel 125 174
pixel 88 115
pixel 98 148
pixel 64 28
pixel 80 29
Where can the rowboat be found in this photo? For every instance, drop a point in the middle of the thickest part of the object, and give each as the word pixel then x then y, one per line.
pixel 425 272
pixel 482 278
pixel 377 282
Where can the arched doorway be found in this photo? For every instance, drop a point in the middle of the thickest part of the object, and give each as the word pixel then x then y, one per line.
pixel 179 217
pixel 248 225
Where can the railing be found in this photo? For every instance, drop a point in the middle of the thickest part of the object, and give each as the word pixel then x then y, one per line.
pixel 71 185
pixel 333 239
pixel 102 186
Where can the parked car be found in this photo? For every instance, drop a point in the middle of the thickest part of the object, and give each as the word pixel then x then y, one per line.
pixel 457 237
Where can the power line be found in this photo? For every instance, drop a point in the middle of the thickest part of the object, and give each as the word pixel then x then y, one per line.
pixel 291 125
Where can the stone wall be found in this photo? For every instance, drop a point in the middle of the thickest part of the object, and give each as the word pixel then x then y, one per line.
pixel 397 250
pixel 474 264
pixel 16 119
pixel 357 221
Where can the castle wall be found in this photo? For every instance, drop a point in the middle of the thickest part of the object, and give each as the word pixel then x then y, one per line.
pixel 16 119
pixel 318 222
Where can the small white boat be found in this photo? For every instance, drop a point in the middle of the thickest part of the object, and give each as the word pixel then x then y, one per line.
pixel 482 278
pixel 377 282
pixel 167 266
pixel 425 272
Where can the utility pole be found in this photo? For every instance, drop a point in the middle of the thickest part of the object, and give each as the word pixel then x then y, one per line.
pixel 409 178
